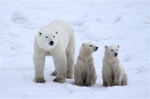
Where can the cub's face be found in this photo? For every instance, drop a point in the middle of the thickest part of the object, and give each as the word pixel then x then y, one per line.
pixel 47 39
pixel 112 50
pixel 89 47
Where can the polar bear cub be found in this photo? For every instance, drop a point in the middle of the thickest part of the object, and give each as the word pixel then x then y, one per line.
pixel 84 72
pixel 57 40
pixel 112 71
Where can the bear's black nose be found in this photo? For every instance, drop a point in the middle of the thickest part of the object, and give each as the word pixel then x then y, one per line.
pixel 51 42
pixel 97 48
pixel 116 54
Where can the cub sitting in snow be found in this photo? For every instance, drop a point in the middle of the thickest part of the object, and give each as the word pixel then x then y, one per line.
pixel 56 39
pixel 112 71
pixel 84 72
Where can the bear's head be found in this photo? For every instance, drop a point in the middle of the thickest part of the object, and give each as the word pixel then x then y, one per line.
pixel 112 50
pixel 47 38
pixel 88 47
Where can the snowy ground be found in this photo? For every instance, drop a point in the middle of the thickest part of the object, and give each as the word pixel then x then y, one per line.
pixel 126 23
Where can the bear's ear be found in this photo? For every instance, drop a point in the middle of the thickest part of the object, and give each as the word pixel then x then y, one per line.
pixel 83 44
pixel 118 46
pixel 40 33
pixel 106 46
pixel 56 32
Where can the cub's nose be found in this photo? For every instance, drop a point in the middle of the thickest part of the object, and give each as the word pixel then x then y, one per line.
pixel 51 42
pixel 116 54
pixel 96 48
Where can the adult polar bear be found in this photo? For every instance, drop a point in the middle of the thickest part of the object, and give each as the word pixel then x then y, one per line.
pixel 55 39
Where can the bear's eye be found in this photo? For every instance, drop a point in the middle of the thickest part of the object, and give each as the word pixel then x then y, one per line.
pixel 90 45
pixel 111 50
pixel 46 36
pixel 40 33
pixel 53 36
pixel 116 49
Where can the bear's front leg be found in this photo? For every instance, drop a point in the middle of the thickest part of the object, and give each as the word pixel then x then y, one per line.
pixel 109 80
pixel 117 80
pixel 89 81
pixel 104 80
pixel 39 62
pixel 60 62
pixel 78 80
pixel 77 76
pixel 91 76
pixel 70 64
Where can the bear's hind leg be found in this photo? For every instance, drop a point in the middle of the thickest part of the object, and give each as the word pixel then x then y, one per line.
pixel 124 80
pixel 70 53
pixel 54 73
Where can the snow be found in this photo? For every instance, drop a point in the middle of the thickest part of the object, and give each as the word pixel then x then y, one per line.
pixel 19 17
pixel 125 23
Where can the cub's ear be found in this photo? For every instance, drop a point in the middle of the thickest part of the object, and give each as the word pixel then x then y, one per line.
pixel 83 44
pixel 56 32
pixel 106 46
pixel 118 46
pixel 40 33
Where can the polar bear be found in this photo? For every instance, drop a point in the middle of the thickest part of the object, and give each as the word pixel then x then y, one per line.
pixel 84 72
pixel 112 71
pixel 57 40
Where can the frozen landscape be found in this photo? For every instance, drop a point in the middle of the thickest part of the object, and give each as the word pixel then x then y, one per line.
pixel 103 22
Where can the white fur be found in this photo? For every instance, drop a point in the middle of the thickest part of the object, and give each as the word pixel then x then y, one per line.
pixel 112 71
pixel 84 72
pixel 63 50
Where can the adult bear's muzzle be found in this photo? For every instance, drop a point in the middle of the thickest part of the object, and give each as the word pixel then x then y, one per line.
pixel 51 43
